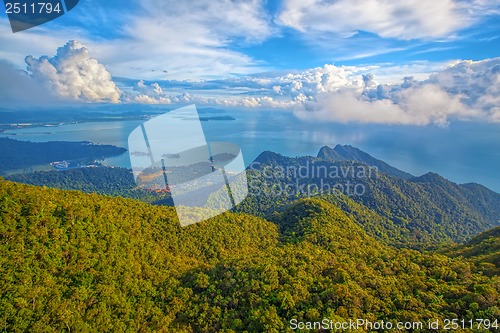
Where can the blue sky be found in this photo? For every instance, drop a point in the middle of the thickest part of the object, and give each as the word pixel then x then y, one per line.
pixel 421 66
pixel 270 36
pixel 338 60
pixel 470 32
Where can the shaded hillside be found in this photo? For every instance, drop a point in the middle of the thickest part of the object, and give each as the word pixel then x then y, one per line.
pixel 103 180
pixel 418 212
pixel 483 198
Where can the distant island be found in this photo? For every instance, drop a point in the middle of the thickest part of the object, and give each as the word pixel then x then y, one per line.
pixel 216 118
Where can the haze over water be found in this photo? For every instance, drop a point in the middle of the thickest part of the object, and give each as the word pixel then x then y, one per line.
pixel 462 151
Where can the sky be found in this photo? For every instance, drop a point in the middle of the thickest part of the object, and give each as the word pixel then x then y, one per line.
pixel 409 62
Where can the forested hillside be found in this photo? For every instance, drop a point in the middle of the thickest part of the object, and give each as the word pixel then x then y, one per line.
pixel 420 211
pixel 83 262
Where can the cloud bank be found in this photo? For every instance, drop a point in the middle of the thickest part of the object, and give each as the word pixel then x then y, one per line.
pixel 465 90
pixel 421 104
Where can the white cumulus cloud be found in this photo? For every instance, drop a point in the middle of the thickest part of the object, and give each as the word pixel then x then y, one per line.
pixel 419 105
pixel 465 90
pixel 73 74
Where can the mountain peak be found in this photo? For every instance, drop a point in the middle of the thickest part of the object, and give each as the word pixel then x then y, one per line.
pixel 268 157
pixel 327 152
pixel 350 153
pixel 429 177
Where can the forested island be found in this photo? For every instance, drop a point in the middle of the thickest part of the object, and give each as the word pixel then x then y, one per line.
pixel 18 155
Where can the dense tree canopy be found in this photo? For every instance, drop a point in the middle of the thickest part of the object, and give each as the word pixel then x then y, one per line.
pixel 83 262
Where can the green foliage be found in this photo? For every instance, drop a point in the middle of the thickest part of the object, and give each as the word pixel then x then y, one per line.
pixel 420 212
pixel 101 180
pixel 484 249
pixel 78 262
pixel 350 153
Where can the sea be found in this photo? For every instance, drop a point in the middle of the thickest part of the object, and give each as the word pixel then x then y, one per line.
pixel 462 151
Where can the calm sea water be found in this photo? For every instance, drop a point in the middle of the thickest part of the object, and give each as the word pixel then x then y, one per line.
pixel 462 152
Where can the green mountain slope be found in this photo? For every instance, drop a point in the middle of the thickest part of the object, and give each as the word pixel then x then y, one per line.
pixel 78 262
pixel 417 212
pixel 422 210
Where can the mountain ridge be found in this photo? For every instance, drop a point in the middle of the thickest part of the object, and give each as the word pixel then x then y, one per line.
pixel 350 153
pixel 427 209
